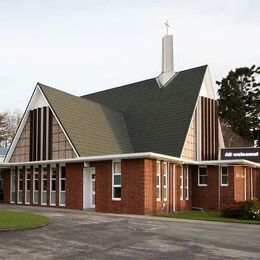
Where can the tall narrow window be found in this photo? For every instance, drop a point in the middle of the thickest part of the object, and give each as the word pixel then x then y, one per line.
pixel 62 185
pixel 116 181
pixel 53 186
pixel 165 181
pixel 158 181
pixel 186 177
pixel 181 183
pixel 35 185
pixel 202 176
pixel 44 186
pixel 27 185
pixel 224 176
pixel 13 184
pixel 20 185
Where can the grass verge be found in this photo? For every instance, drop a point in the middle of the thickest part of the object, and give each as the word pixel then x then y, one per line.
pixel 20 220
pixel 208 216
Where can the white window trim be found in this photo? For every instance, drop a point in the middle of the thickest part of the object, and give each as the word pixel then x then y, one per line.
pixel 158 186
pixel 60 191
pixel 52 167
pixel 19 188
pixel 199 184
pixel 181 183
pixel 34 173
pixel 224 184
pixel 165 184
pixel 116 185
pixel 26 187
pixel 187 188
pixel 11 185
pixel 42 191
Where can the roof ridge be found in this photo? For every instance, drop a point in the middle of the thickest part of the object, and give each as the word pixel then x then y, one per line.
pixel 113 88
pixel 79 97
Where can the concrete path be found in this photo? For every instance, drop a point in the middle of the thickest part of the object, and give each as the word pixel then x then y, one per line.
pixel 76 234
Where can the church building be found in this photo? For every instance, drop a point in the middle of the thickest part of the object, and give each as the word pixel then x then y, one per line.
pixel 144 148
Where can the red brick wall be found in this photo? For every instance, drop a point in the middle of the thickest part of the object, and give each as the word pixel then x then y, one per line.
pixel 7 179
pixel 239 183
pixel 135 175
pixel 74 186
pixel 206 197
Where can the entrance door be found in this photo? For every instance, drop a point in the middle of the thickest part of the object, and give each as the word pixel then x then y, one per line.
pixel 1 186
pixel 89 188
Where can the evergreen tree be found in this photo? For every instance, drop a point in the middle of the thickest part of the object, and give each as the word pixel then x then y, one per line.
pixel 239 101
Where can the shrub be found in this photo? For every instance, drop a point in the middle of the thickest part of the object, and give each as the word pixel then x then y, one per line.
pixel 249 209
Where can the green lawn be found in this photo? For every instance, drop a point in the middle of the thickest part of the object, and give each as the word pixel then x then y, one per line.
pixel 18 220
pixel 209 216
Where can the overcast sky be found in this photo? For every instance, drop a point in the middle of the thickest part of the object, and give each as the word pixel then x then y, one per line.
pixel 82 46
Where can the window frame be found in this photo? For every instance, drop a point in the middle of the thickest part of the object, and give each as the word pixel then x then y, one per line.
pixel 53 167
pixel 13 186
pixel 182 183
pixel 116 185
pixel 28 173
pixel 44 173
pixel 165 181
pixel 186 182
pixel 60 180
pixel 36 171
pixel 158 185
pixel 221 176
pixel 202 184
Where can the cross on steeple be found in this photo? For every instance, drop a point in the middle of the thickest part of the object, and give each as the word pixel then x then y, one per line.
pixel 167 26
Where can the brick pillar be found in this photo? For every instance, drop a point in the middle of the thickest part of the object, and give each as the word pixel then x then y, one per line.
pixel 7 185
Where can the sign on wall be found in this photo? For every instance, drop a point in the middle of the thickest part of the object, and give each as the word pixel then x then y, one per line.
pixel 250 154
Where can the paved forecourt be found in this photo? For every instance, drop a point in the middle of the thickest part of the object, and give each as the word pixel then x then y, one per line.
pixel 76 234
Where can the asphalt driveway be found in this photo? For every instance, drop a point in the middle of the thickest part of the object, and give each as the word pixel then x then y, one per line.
pixel 88 235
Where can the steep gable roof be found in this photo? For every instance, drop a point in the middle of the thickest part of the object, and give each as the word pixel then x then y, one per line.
pixel 93 128
pixel 157 118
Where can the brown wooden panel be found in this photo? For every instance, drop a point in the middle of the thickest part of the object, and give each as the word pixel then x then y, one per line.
pixel 216 129
pixel 39 135
pixel 202 128
pixel 44 134
pixel 50 135
pixel 31 136
pixel 34 133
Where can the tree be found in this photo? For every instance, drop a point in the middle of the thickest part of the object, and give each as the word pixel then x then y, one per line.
pixel 239 101
pixel 3 127
pixel 8 126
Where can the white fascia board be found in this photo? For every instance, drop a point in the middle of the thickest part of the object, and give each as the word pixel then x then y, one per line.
pixel 53 112
pixel 230 162
pixel 146 155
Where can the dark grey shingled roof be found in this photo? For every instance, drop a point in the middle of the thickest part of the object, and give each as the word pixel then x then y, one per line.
pixel 157 119
pixel 93 129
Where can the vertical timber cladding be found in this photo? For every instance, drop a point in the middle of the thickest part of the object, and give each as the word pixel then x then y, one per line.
pixel 40 134
pixel 209 129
